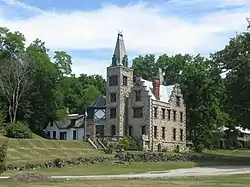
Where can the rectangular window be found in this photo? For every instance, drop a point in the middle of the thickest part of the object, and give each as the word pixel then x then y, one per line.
pixel 74 135
pixel 174 113
pixel 54 134
pixel 138 112
pixel 112 113
pixel 137 95
pixel 143 130
pixel 113 80
pixel 155 112
pixel 155 131
pixel 63 135
pixel 113 97
pixel 163 110
pixel 181 116
pixel 178 100
pixel 51 123
pixel 181 134
pixel 48 134
pixel 163 132
pixel 125 80
pixel 169 115
pixel 130 131
pixel 174 134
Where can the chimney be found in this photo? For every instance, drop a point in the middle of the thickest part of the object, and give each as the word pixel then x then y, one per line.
pixel 156 87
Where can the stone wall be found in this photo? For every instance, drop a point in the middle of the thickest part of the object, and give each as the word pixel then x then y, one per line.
pixel 122 93
pixel 168 142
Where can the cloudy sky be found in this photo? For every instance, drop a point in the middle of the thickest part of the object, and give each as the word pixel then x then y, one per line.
pixel 87 29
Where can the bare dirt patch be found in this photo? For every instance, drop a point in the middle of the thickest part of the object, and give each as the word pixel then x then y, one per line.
pixel 29 177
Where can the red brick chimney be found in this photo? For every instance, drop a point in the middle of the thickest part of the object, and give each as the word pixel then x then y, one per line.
pixel 156 87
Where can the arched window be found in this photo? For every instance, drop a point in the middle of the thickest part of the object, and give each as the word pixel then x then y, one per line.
pixel 113 130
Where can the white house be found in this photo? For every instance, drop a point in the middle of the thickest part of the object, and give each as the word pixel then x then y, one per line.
pixel 70 128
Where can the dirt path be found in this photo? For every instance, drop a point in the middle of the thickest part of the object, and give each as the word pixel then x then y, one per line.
pixel 196 171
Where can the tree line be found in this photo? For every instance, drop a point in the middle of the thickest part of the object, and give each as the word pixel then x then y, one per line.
pixel 36 88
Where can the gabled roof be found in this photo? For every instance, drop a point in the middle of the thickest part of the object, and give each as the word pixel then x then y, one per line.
pixel 244 131
pixel 100 102
pixel 71 121
pixel 165 91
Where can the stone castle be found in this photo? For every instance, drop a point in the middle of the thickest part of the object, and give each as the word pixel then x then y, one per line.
pixel 149 111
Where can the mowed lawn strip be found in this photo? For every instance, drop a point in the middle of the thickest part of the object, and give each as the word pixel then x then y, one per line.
pixel 110 169
pixel 40 150
pixel 218 181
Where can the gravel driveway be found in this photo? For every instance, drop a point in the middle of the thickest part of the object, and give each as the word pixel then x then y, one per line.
pixel 196 171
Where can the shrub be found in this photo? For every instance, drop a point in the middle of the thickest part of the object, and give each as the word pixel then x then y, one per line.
pixel 18 130
pixel 128 143
pixel 3 155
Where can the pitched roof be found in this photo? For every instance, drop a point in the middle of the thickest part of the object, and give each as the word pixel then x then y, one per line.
pixel 99 102
pixel 165 91
pixel 119 51
pixel 71 121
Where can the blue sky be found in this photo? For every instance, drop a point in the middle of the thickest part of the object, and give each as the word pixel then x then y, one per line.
pixel 87 29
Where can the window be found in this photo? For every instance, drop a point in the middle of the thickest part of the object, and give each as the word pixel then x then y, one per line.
pixel 174 134
pixel 137 113
pixel 48 134
pixel 63 135
pixel 51 123
pixel 169 115
pixel 113 130
pixel 130 131
pixel 74 135
pixel 113 113
pixel 143 130
pixel 155 131
pixel 181 134
pixel 163 111
pixel 181 116
pixel 174 112
pixel 155 112
pixel 137 95
pixel 163 132
pixel 178 100
pixel 54 134
pixel 125 80
pixel 113 81
pixel 113 97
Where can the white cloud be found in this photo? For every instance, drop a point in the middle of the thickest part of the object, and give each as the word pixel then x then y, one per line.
pixel 146 30
pixel 90 66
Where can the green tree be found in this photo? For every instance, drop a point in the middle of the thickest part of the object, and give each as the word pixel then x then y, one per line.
pixel 145 66
pixel 63 62
pixel 234 59
pixel 203 89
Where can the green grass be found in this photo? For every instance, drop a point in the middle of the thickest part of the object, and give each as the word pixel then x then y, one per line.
pixel 39 149
pixel 234 153
pixel 109 169
pixel 233 181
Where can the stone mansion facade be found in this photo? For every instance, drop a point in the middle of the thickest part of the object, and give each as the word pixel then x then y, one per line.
pixel 151 112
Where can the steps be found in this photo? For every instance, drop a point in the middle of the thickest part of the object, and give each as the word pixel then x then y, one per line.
pixel 96 143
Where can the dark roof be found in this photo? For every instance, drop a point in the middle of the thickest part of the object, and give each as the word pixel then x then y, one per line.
pixel 99 102
pixel 72 121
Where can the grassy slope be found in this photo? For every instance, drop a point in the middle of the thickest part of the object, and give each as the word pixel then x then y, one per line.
pixel 39 149
pixel 234 181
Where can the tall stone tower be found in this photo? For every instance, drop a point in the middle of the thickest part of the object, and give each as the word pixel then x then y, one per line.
pixel 119 83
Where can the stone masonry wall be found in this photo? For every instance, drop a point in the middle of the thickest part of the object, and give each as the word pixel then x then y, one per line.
pixel 138 123
pixel 168 142
pixel 121 93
